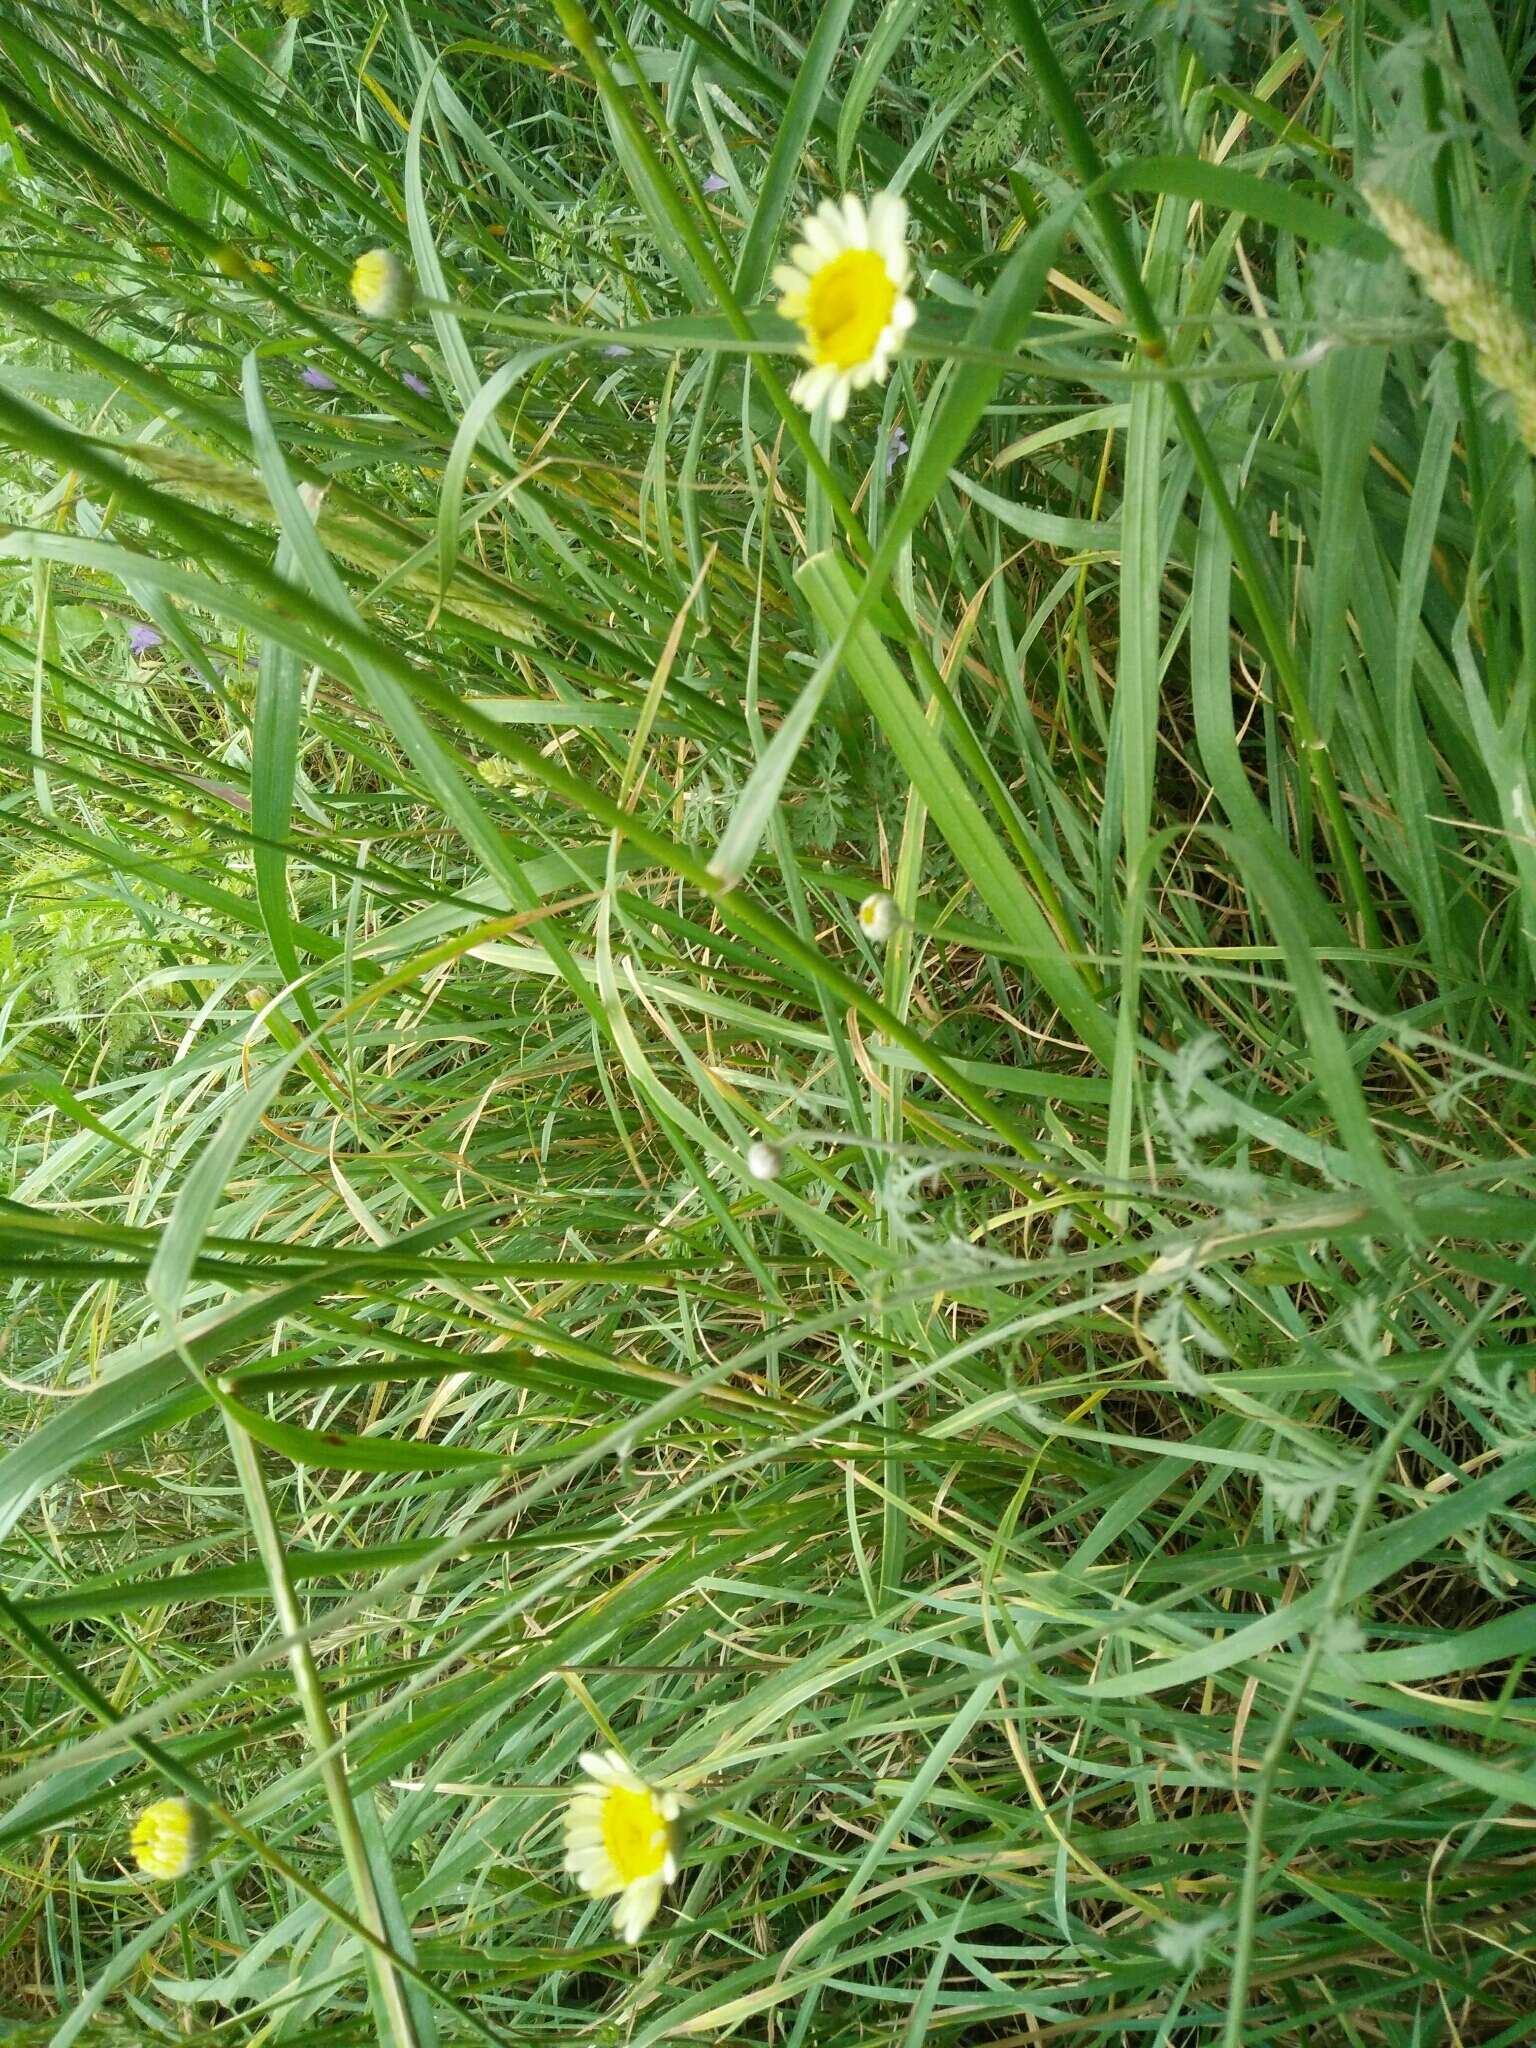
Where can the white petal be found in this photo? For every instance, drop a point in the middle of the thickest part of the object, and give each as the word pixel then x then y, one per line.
pixel 597 1765
pixel 837 398
pixel 788 279
pixel 830 214
pixel 615 1771
pixel 903 314
pixel 811 386
pixel 821 237
pixel 585 1855
pixel 856 222
pixel 888 223
pixel 637 1908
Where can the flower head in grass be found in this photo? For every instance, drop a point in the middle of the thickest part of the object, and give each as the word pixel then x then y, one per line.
pixel 381 285
pixel 620 1841
pixel 417 384
pixel 896 446
pixel 764 1161
pixel 1475 311
pixel 316 378
pixel 230 260
pixel 169 1838
pixel 877 916
pixel 712 184
pixel 845 288
pixel 143 640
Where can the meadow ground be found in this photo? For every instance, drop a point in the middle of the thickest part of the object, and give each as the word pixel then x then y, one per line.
pixel 1010 1403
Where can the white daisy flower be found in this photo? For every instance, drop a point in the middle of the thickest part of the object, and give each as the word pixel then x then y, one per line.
pixel 620 1840
pixel 845 289
pixel 877 916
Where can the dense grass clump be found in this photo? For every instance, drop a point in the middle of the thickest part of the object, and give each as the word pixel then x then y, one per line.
pixel 1014 1406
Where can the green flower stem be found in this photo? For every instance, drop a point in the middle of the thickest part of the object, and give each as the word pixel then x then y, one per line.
pixel 389 1992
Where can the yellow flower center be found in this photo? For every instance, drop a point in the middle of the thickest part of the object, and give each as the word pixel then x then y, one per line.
pixel 847 308
pixel 634 1833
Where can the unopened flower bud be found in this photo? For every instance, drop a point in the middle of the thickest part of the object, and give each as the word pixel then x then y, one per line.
pixel 382 288
pixel 764 1161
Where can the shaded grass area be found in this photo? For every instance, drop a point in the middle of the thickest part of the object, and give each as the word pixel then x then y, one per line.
pixel 1068 1536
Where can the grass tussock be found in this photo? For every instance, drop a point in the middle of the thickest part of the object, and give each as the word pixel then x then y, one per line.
pixel 841 1103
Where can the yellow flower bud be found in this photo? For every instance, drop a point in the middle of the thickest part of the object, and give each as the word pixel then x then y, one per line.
pixel 169 1838
pixel 382 288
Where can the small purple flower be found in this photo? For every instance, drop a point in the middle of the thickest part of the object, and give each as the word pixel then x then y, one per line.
pixel 317 380
pixel 895 446
pixel 714 183
pixel 417 384
pixel 617 348
pixel 141 639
